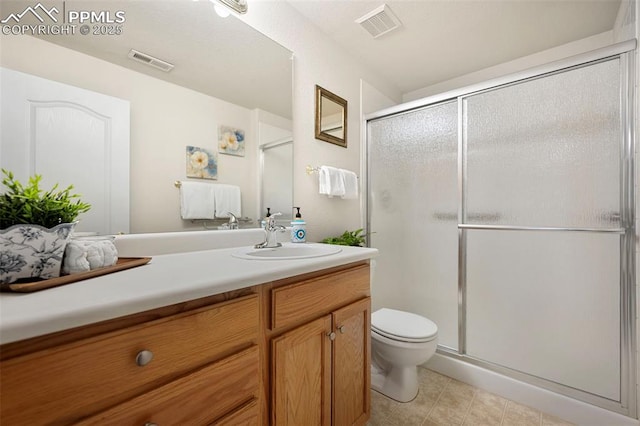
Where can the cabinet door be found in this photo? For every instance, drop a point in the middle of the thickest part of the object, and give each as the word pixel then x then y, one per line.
pixel 351 364
pixel 301 372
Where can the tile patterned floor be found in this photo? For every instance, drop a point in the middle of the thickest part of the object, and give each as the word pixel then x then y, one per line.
pixel 445 401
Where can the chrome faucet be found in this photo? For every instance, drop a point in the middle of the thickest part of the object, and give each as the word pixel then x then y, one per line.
pixel 233 221
pixel 270 233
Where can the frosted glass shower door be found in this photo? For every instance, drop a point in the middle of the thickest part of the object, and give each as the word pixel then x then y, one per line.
pixel 542 222
pixel 413 214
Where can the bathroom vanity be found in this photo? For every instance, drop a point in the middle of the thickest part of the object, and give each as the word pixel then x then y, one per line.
pixel 193 338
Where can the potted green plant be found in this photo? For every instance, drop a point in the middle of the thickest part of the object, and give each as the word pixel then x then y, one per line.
pixel 348 238
pixel 35 226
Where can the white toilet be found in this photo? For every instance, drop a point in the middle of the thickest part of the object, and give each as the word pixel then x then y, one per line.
pixel 400 341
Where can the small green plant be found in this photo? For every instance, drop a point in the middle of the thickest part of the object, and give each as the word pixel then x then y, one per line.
pixel 348 238
pixel 31 205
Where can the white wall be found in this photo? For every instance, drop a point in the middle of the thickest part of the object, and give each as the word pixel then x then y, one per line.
pixel 165 118
pixel 318 60
pixel 520 64
pixel 372 100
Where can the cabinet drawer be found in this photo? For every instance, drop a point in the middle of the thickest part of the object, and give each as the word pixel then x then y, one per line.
pixel 247 415
pixel 306 300
pixel 196 399
pixel 70 381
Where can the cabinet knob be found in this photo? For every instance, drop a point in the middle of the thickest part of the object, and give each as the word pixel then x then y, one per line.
pixel 150 424
pixel 341 329
pixel 143 358
pixel 332 335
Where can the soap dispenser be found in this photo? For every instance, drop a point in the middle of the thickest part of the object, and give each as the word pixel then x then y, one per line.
pixel 263 222
pixel 298 228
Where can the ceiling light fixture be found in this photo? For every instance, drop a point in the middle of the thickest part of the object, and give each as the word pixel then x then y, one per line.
pixel 239 6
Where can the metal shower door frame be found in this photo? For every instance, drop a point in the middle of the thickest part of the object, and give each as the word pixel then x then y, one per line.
pixel 625 53
pixel 627 403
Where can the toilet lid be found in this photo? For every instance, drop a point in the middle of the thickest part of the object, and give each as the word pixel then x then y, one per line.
pixel 403 326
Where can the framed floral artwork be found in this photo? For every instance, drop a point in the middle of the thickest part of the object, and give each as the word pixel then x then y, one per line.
pixel 202 163
pixel 230 141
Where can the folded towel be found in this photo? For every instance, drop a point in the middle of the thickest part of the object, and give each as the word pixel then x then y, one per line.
pixel 350 184
pixel 87 255
pixel 197 200
pixel 228 200
pixel 75 258
pixel 331 181
pixel 101 254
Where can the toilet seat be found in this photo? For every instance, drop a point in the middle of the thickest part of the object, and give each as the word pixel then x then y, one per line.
pixel 403 326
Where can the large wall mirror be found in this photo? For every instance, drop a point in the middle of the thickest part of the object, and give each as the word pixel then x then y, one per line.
pixel 331 117
pixel 225 73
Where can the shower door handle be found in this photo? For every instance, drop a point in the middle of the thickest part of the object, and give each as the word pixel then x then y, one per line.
pixel 477 217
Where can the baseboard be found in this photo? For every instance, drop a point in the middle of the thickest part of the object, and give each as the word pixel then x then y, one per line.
pixel 566 408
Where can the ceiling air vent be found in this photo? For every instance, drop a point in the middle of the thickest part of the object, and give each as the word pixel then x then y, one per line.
pixel 379 21
pixel 150 60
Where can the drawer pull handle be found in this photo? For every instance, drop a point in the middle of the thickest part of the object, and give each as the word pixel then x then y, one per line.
pixel 341 329
pixel 143 358
pixel 332 336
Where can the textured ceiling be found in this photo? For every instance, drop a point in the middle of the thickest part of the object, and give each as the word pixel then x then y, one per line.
pixel 443 39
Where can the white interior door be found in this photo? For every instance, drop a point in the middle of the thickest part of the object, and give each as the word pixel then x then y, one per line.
pixel 70 136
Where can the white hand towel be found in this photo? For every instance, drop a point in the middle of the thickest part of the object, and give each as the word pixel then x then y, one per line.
pixel 101 254
pixel 197 200
pixel 350 184
pixel 228 200
pixel 83 256
pixel 330 181
pixel 75 258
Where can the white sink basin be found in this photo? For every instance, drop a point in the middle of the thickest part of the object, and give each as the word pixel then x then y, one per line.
pixel 288 251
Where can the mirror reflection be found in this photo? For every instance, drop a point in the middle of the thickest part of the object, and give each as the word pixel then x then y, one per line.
pixel 276 160
pixel 214 84
pixel 331 117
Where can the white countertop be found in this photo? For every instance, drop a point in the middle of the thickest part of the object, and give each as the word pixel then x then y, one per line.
pixel 166 280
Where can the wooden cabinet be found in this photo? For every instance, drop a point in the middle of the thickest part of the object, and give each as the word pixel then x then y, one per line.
pixel 292 352
pixel 352 364
pixel 196 399
pixel 320 369
pixel 301 375
pixel 203 361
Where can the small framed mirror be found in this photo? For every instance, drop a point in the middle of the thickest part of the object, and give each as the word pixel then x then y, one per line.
pixel 331 117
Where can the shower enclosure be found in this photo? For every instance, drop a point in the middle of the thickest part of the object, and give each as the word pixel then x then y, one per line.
pixel 505 213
